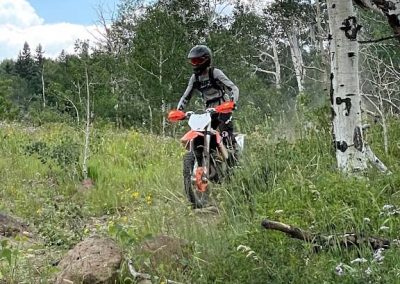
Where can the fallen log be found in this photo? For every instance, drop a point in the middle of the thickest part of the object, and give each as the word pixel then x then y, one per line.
pixel 319 241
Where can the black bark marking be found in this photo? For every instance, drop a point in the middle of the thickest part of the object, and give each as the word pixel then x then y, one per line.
pixel 330 37
pixel 331 90
pixel 341 85
pixel 350 95
pixel 333 6
pixel 360 3
pixel 341 146
pixel 351 54
pixel 333 113
pixel 351 28
pixel 347 101
pixel 357 139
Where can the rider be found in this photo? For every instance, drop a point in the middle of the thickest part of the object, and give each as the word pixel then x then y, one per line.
pixel 215 88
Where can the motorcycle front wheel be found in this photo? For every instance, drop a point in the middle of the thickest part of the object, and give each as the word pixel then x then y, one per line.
pixel 197 198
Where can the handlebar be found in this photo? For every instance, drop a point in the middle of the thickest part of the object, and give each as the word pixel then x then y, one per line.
pixel 176 115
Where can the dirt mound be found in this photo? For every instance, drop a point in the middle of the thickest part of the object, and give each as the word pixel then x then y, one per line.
pixel 92 261
pixel 167 251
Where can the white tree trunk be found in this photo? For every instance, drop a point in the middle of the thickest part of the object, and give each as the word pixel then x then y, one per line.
pixel 322 35
pixel 345 95
pixel 43 88
pixel 277 65
pixel 87 130
pixel 297 57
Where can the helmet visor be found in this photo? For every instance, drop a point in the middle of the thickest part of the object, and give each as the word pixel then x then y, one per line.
pixel 197 60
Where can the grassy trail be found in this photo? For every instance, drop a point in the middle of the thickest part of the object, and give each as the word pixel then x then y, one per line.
pixel 138 195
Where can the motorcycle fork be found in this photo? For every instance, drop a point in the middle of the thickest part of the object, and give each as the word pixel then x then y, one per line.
pixel 206 150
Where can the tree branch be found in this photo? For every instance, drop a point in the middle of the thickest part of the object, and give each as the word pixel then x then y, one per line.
pixel 321 241
pixel 383 99
pixel 314 68
pixel 379 39
pixel 147 71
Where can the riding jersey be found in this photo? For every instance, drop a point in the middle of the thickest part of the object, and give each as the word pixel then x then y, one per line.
pixel 213 93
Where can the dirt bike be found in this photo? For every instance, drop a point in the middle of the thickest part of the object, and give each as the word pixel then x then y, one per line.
pixel 217 158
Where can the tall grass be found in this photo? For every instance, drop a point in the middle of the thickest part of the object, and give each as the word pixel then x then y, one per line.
pixel 137 194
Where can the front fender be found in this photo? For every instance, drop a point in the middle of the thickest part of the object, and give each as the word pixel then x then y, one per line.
pixel 190 135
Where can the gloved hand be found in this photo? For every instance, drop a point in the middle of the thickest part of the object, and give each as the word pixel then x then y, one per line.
pixel 235 104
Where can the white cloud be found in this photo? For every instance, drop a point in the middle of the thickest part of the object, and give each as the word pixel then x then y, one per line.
pixel 19 22
pixel 19 13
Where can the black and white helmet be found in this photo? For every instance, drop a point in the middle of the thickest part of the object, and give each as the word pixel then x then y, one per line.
pixel 200 58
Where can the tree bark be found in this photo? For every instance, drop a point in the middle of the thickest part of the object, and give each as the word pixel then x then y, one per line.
pixel 345 95
pixel 352 153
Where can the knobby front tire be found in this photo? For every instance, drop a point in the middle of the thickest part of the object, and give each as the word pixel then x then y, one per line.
pixel 196 198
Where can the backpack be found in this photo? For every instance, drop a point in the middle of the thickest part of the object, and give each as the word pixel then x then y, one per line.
pixel 213 81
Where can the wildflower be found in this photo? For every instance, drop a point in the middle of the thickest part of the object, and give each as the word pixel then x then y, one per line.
pixel 378 257
pixel 278 211
pixel 387 207
pixel 339 269
pixel 367 220
pixel 368 271
pixel 135 194
pixel 396 242
pixel 384 228
pixel 148 199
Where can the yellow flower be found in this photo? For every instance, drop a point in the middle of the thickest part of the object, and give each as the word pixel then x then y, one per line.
pixel 135 194
pixel 148 199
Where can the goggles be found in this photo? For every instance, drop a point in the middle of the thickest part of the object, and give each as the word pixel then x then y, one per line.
pixel 197 60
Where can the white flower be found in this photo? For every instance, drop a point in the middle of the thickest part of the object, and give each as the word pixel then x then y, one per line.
pixel 396 242
pixel 368 271
pixel 278 211
pixel 378 257
pixel 387 207
pixel 384 228
pixel 367 220
pixel 339 269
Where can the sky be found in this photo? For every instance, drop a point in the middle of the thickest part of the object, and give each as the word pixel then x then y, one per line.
pixel 55 24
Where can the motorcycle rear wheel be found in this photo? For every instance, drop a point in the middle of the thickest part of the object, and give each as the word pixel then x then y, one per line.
pixel 197 198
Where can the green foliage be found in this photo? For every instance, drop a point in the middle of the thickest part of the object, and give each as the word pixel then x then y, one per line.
pixel 5 252
pixel 9 257
pixel 65 154
pixel 60 223
pixel 7 110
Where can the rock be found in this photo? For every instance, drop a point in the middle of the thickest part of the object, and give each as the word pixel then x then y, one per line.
pixel 10 226
pixel 92 261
